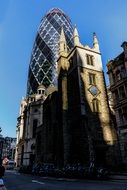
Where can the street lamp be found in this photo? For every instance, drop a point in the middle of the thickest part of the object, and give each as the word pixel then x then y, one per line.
pixel 1 146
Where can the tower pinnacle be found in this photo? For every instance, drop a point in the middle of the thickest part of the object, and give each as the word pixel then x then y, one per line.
pixel 95 42
pixel 63 43
pixel 76 37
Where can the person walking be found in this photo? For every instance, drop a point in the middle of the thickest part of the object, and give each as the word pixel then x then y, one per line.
pixel 2 171
pixel 2 185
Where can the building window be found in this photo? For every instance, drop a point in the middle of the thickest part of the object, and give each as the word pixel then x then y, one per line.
pixel 95 105
pixel 89 59
pixel 111 77
pixel 124 109
pixel 126 88
pixel 35 123
pixel 39 91
pixel 120 116
pixel 35 110
pixel 71 63
pixel 116 96
pixel 43 91
pixel 123 72
pixel 92 79
pixel 118 75
pixel 123 115
pixel 122 92
pixel 38 145
pixel 32 99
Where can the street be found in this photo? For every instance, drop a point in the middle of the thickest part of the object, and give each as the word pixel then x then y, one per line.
pixel 17 181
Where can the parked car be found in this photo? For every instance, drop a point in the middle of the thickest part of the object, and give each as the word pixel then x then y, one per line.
pixel 10 165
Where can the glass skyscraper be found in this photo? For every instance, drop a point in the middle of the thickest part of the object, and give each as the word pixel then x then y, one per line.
pixel 43 63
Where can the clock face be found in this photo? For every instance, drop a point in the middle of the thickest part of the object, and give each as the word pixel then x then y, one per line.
pixel 94 90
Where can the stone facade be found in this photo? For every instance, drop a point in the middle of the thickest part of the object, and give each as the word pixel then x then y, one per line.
pixel 49 136
pixel 30 118
pixel 117 71
pixel 87 127
pixel 20 132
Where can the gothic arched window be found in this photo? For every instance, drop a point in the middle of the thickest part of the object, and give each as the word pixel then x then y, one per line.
pixel 95 105
pixel 35 123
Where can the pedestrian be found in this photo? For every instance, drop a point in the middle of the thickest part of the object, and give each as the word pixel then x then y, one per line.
pixel 2 186
pixel 2 171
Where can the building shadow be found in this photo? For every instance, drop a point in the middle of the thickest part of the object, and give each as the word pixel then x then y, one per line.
pixel 76 128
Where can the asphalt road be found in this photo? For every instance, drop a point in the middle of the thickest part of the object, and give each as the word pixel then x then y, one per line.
pixel 16 181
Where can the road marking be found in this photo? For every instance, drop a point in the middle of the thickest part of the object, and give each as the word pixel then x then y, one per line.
pixel 35 181
pixel 119 181
pixel 13 172
pixel 17 173
pixel 66 179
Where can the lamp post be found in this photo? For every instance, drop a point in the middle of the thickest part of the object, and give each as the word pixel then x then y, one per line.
pixel 1 146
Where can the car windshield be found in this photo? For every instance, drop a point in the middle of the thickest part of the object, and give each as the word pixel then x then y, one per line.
pixel 11 163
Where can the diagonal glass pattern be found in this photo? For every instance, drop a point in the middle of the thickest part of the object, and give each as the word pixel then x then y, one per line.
pixel 43 66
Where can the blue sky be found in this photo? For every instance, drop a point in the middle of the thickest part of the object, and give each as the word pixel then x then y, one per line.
pixel 19 21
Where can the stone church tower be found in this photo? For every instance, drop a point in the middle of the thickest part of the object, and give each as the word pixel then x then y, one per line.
pixel 88 135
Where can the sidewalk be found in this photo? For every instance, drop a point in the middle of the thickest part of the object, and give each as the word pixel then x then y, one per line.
pixel 112 176
pixel 119 176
